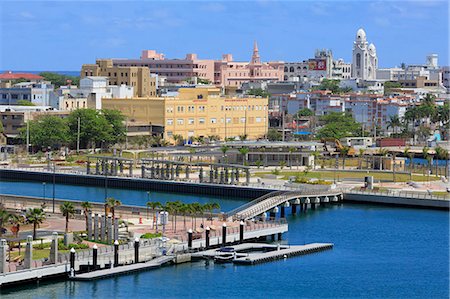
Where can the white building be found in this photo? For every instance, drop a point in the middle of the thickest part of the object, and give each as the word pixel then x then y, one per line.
pixel 364 58
pixel 446 77
pixel 341 70
pixel 98 88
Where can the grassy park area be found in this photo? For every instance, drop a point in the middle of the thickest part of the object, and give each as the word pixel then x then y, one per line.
pixel 329 175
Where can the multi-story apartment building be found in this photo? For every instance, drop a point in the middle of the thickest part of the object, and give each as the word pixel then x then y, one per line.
pixel 38 93
pixel 137 77
pixel 196 112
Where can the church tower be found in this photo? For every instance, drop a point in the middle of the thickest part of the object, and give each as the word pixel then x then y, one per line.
pixel 364 58
pixel 255 56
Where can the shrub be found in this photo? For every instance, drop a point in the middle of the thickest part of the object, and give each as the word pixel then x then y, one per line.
pixel 151 235
pixel 276 171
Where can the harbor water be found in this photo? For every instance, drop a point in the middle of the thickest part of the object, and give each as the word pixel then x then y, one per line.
pixel 379 252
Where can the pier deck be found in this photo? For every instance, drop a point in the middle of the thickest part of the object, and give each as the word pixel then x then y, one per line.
pixel 99 274
pixel 283 253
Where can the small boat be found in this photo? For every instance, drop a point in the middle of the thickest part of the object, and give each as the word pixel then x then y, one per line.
pixel 222 259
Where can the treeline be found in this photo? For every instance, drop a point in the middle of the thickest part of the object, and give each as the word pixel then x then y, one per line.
pixel 60 80
pixel 97 128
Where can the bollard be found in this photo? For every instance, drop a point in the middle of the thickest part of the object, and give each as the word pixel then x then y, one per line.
pixel 190 238
pixel 136 250
pixel 224 234
pixel 207 231
pixel 94 256
pixel 116 253
pixel 241 232
pixel 72 262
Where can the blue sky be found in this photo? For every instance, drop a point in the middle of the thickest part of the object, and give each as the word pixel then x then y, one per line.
pixel 62 35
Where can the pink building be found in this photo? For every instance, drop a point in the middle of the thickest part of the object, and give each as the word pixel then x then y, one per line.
pixel 175 70
pixel 232 73
pixel 224 73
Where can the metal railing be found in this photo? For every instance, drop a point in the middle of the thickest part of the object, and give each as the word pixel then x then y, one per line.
pixel 403 194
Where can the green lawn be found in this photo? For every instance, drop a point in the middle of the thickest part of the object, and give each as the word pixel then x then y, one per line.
pixel 329 175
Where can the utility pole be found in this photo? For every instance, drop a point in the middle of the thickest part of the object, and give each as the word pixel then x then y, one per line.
pixel 78 136
pixel 28 138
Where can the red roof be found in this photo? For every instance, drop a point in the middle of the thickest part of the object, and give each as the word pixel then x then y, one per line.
pixel 14 76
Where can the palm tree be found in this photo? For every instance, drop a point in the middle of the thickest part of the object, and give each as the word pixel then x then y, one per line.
pixel 4 218
pixel 344 152
pixel 153 205
pixel 224 149
pixel 394 122
pixel 442 154
pixel 383 153
pixel 243 137
pixel 316 154
pixel 16 221
pixel 67 209
pixel 183 209
pixel 244 151
pixel 178 139
pixel 427 156
pixel 87 207
pixel 360 157
pixel 35 216
pixel 211 207
pixel 112 203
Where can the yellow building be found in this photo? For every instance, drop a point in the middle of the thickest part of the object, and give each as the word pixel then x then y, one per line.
pixel 136 76
pixel 198 112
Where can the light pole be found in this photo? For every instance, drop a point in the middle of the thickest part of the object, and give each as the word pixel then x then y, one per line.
pixel 148 200
pixel 54 178
pixel 43 190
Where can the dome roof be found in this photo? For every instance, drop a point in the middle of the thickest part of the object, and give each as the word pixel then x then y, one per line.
pixel 360 35
pixel 372 48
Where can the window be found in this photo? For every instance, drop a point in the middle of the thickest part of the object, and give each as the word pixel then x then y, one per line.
pixel 191 121
pixel 169 109
pixel 243 120
pixel 201 108
pixel 170 122
pixel 169 133
pixel 213 120
pixel 228 120
pixel 258 119
pixel 180 121
pixel 201 121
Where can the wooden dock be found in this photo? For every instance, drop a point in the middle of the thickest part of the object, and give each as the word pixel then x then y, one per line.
pixel 286 252
pixel 99 274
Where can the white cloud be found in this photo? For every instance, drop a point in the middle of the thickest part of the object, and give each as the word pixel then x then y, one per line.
pixel 214 7
pixel 26 15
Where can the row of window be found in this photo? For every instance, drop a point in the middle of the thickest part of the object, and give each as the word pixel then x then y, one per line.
pixel 213 120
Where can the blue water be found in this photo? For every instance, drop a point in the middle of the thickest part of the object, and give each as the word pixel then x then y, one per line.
pixel 422 161
pixel 96 194
pixel 379 252
pixel 67 73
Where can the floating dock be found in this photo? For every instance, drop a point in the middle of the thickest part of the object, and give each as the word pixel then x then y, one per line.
pixel 99 274
pixel 264 252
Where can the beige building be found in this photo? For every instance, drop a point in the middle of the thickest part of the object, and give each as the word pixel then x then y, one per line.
pixel 197 112
pixel 136 76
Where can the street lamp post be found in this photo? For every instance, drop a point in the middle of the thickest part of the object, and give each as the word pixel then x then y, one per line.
pixel 43 190
pixel 54 179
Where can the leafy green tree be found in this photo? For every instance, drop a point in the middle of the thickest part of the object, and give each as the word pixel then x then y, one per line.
pixel 67 209
pixel 94 128
pixel 116 120
pixel 331 85
pixel 305 112
pixel 35 216
pixel 244 152
pixel 112 204
pixel 154 205
pixel 5 216
pixel 259 92
pixel 59 80
pixel 274 135
pixel 25 103
pixel 45 131
pixel 394 122
pixel 339 125
pixel 388 86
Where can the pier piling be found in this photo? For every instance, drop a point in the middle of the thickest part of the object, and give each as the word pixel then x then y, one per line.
pixel 136 250
pixel 224 234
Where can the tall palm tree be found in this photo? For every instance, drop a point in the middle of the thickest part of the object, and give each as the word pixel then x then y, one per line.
pixel 344 152
pixel 5 216
pixel 244 151
pixel 224 149
pixel 382 152
pixel 154 205
pixel 184 210
pixel 360 157
pixel 427 156
pixel 87 207
pixel 112 204
pixel 16 221
pixel 35 216
pixel 442 154
pixel 394 122
pixel 67 209
pixel 211 207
